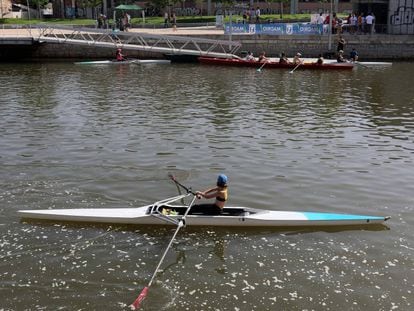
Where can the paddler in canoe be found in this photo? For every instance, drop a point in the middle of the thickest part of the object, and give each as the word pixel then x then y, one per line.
pixel 353 55
pixel 283 59
pixel 297 59
pixel 262 57
pixel 119 56
pixel 319 61
pixel 219 193
pixel 249 57
pixel 340 58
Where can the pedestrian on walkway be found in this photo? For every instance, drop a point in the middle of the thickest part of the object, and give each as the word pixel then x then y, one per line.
pixel 369 19
pixel 258 15
pixel 174 21
pixel 166 19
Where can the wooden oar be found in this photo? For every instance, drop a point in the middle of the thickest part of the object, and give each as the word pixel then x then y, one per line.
pixel 137 302
pixel 295 68
pixel 260 69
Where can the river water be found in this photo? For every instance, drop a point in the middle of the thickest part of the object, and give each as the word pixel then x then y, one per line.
pixel 107 136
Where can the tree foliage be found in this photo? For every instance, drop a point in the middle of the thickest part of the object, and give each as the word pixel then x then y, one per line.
pixel 89 3
pixel 36 4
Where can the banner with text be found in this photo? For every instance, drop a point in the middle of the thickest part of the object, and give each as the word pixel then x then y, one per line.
pixel 276 29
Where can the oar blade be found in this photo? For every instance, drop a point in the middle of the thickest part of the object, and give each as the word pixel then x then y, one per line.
pixel 136 304
pixel 171 176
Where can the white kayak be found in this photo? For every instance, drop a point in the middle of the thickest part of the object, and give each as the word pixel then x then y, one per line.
pixel 373 63
pixel 363 63
pixel 128 61
pixel 164 212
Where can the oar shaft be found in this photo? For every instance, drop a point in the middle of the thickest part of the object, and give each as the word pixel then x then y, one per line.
pixel 165 253
pixel 136 304
pixel 296 67
pixel 180 224
pixel 181 185
pixel 263 65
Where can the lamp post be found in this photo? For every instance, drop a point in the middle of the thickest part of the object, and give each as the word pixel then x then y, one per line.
pixel 28 9
pixel 231 25
pixel 330 27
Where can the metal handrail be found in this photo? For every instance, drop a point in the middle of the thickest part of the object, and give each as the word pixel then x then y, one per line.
pixel 137 41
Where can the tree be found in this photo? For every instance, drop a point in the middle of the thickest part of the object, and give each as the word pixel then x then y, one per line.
pixel 199 3
pixel 90 4
pixel 281 2
pixel 38 4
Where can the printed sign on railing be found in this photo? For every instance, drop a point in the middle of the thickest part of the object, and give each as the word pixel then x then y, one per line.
pixel 276 29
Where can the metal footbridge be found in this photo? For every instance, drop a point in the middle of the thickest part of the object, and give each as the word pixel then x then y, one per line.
pixel 156 43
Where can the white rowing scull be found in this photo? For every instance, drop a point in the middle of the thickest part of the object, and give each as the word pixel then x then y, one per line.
pixel 154 214
pixel 125 62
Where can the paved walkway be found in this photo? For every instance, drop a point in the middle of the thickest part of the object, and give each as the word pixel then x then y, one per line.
pixel 193 31
pixel 207 30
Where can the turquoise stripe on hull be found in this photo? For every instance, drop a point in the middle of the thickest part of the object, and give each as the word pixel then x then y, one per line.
pixel 338 217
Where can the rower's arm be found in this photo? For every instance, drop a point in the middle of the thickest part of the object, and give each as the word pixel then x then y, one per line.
pixel 208 194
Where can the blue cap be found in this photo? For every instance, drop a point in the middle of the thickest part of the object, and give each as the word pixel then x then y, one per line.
pixel 221 180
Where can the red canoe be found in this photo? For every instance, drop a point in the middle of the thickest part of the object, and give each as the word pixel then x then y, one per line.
pixel 270 64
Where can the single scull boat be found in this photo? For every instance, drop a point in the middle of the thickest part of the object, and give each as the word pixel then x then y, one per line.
pixel 125 62
pixel 167 212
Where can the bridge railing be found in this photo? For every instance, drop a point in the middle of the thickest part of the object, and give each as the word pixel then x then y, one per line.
pixel 136 41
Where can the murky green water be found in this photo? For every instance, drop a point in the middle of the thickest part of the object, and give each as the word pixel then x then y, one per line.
pixel 107 136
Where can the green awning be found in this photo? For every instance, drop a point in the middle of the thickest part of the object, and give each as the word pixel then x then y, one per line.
pixel 128 7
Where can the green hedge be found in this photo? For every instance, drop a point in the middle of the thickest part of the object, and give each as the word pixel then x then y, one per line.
pixel 160 20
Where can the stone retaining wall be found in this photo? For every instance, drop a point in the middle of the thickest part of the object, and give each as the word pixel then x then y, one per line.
pixel 368 46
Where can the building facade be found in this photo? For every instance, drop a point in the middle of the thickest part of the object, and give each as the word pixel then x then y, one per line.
pixel 5 7
pixel 401 17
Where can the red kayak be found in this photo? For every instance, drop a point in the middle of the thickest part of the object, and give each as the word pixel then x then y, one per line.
pixel 272 64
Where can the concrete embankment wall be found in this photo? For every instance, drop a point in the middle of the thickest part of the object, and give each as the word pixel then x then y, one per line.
pixel 28 49
pixel 387 47
pixel 368 46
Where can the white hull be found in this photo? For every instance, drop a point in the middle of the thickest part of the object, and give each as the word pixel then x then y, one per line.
pixel 247 217
pixel 385 64
pixel 374 63
pixel 130 61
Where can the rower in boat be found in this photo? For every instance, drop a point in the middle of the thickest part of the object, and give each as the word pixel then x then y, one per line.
pixel 119 56
pixel 249 56
pixel 297 60
pixel 340 58
pixel 353 55
pixel 283 59
pixel 319 61
pixel 262 57
pixel 219 193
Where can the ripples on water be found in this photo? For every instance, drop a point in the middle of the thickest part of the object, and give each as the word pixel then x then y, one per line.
pixel 102 136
